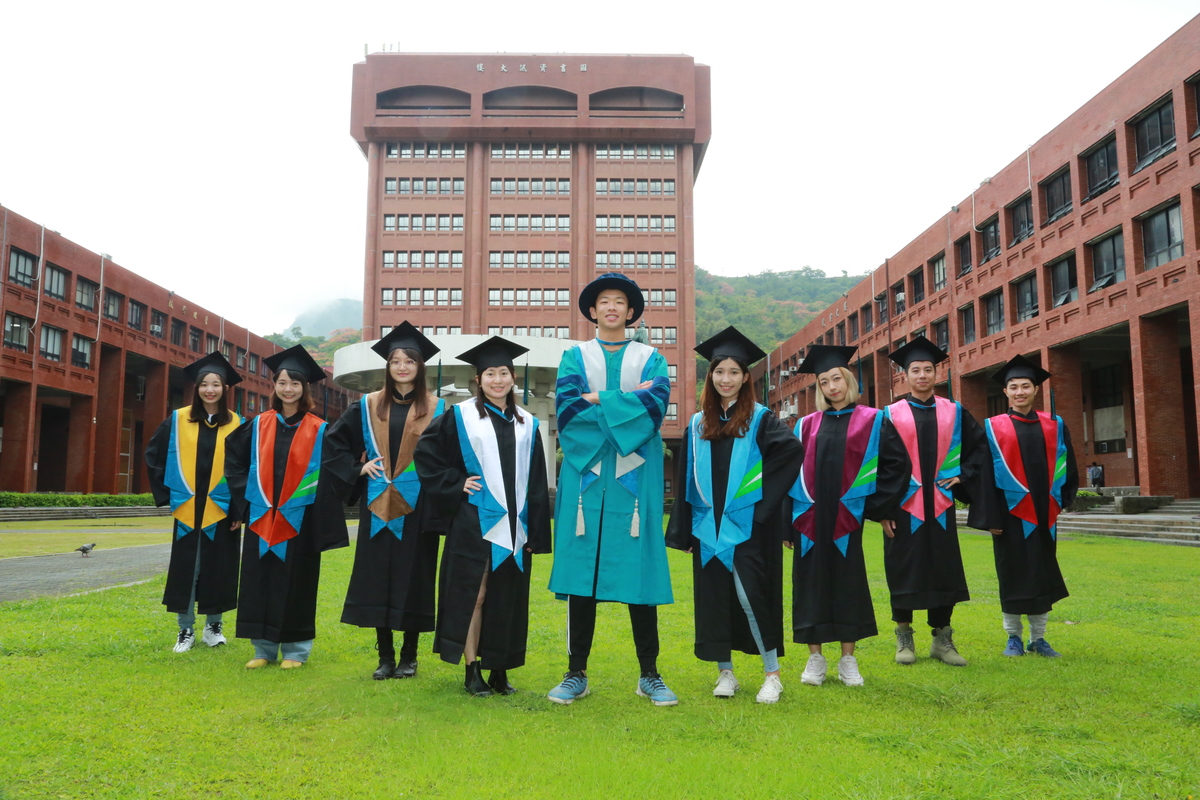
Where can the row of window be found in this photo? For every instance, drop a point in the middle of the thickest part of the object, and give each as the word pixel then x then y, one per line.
pixel 428 330
pixel 539 186
pixel 634 187
pixel 414 297
pixel 430 259
pixel 562 297
pixel 616 223
pixel 634 260
pixel 426 149
pixel 529 222
pixel 17 334
pixel 424 186
pixel 529 259
pixel 530 150
pixel 636 152
pixel 423 222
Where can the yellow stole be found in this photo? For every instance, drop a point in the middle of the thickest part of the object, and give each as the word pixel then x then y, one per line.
pixel 187 437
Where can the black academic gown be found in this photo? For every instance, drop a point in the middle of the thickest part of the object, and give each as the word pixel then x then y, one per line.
pixel 504 627
pixel 721 624
pixel 831 599
pixel 924 567
pixel 278 599
pixel 1027 567
pixel 217 585
pixel 393 581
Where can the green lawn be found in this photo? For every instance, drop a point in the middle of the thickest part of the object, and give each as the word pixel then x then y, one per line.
pixel 94 704
pixel 46 537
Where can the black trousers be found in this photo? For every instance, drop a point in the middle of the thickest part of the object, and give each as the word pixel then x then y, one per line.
pixel 938 617
pixel 581 628
pixel 385 643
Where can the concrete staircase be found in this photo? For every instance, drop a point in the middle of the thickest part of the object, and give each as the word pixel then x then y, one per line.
pixel 1173 524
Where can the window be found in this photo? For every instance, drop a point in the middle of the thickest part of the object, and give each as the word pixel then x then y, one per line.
pixel 1106 387
pixel 1026 297
pixel 241 358
pixel 841 334
pixel 178 327
pixel 966 319
pixel 941 333
pixel 962 252
pixel 898 299
pixel 1162 236
pixel 55 283
pixel 214 343
pixel 137 315
pixel 112 305
pixel 918 285
pixel 881 307
pixel 389 185
pixel 387 297
pixel 853 327
pixel 1101 164
pixel 81 352
pixel 85 293
pixel 252 366
pixel 20 267
pixel 16 332
pixel 669 297
pixel 195 337
pixel 402 297
pixel 937 266
pixel 1108 413
pixel 867 318
pixel 1063 285
pixel 158 324
pixel 1108 261
pixel 1020 216
pixel 1056 195
pixel 456 297
pixel 1154 133
pixel 672 411
pixel 989 237
pixel 993 311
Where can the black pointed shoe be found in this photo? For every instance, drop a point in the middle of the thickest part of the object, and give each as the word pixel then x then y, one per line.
pixel 406 669
pixel 474 683
pixel 498 680
pixel 387 669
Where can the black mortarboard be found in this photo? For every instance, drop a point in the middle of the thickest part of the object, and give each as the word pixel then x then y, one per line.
pixel 612 280
pixel 405 335
pixel 495 352
pixel 1020 367
pixel 297 362
pixel 216 363
pixel 919 349
pixel 824 357
pixel 730 343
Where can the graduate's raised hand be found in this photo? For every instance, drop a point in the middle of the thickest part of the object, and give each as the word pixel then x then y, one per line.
pixel 889 528
pixel 472 485
pixel 374 468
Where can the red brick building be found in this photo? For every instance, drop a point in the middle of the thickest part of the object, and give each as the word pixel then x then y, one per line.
pixel 1082 254
pixel 499 185
pixel 92 362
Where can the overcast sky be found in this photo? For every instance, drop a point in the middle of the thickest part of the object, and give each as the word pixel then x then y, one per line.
pixel 207 146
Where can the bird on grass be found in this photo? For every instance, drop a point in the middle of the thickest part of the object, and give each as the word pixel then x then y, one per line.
pixel 83 550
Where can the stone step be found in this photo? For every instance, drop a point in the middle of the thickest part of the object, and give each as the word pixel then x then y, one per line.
pixel 1131 530
pixel 1181 542
pixel 35 514
pixel 1127 525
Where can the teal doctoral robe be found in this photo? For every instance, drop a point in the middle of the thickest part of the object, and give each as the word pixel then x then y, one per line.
pixel 609 504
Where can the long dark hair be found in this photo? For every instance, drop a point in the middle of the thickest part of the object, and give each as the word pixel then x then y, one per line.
pixel 198 412
pixel 303 406
pixel 420 403
pixel 511 400
pixel 711 426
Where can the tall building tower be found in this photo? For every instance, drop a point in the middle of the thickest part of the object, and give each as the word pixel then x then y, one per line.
pixel 500 185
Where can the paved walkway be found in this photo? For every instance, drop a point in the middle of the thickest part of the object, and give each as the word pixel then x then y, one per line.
pixel 27 577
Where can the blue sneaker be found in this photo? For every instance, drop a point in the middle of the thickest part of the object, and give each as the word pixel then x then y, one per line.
pixel 1043 648
pixel 651 685
pixel 573 686
pixel 1015 647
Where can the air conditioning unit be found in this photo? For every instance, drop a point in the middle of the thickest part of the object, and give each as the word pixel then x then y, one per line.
pixel 156 330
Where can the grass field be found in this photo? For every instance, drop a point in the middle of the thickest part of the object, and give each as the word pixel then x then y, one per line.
pixel 46 537
pixel 94 704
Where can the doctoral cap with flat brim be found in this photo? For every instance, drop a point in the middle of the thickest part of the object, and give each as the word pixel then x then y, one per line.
pixel 919 349
pixel 216 364
pixel 1020 367
pixel 495 352
pixel 730 343
pixel 612 280
pixel 298 364
pixel 405 336
pixel 823 357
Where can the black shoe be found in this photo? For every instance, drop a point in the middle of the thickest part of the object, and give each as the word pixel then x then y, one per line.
pixel 387 669
pixel 406 669
pixel 474 683
pixel 498 680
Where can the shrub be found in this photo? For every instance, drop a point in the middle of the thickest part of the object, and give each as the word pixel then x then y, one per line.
pixel 50 500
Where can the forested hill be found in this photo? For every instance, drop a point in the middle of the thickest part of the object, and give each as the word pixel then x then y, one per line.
pixel 769 307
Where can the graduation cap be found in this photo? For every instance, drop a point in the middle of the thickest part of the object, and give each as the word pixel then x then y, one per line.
pixel 612 280
pixel 919 349
pixel 298 363
pixel 495 352
pixel 405 335
pixel 730 343
pixel 1020 367
pixel 215 363
pixel 823 357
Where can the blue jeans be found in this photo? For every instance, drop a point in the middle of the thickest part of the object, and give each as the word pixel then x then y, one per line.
pixel 769 657
pixel 292 651
pixel 187 619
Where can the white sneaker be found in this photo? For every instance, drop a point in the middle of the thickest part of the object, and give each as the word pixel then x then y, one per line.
pixel 187 638
pixel 814 670
pixel 212 634
pixel 727 684
pixel 771 689
pixel 848 671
